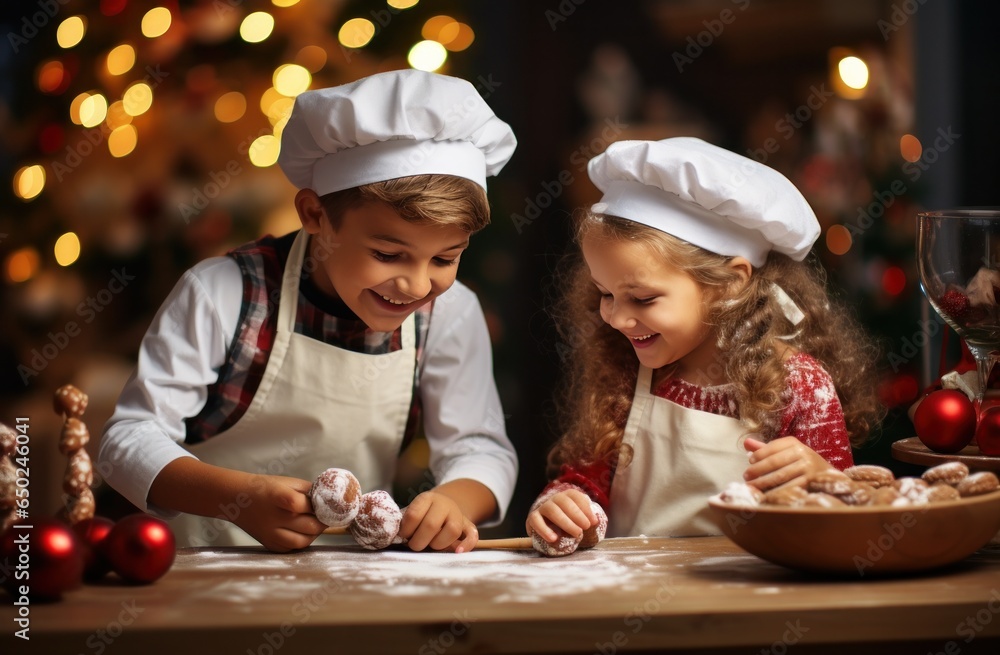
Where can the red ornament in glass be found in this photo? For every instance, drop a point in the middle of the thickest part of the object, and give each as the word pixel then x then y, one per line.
pixel 945 421
pixel 140 548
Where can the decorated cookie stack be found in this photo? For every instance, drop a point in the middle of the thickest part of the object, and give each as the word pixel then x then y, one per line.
pixel 79 502
pixel 870 485
pixel 8 478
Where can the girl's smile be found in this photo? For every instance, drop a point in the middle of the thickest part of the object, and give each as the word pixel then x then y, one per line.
pixel 659 308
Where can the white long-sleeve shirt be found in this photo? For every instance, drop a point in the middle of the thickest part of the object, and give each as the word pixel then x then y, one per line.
pixel 188 342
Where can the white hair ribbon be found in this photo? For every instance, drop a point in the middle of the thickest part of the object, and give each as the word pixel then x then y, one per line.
pixel 788 306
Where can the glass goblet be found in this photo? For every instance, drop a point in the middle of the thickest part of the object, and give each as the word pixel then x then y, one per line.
pixel 958 258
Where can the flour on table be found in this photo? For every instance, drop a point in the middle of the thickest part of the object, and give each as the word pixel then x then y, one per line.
pixel 515 576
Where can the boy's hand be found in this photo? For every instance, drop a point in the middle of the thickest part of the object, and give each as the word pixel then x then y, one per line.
pixel 782 462
pixel 279 514
pixel 568 510
pixel 434 520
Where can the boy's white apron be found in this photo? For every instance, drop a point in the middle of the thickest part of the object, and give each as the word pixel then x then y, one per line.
pixel 317 406
pixel 680 457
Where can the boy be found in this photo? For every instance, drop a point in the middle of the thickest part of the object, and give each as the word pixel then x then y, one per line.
pixel 320 348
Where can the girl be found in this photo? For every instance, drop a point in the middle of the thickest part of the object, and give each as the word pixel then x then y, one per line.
pixel 710 329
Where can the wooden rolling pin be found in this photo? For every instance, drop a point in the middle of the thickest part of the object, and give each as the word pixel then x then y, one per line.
pixel 513 543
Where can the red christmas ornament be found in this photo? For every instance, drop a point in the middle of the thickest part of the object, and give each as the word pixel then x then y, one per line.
pixel 988 432
pixel 43 560
pixel 140 548
pixel 945 421
pixel 91 533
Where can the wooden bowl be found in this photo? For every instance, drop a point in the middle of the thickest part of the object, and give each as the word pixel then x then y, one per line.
pixel 866 540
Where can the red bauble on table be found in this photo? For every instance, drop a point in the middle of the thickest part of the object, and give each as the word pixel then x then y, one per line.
pixel 140 548
pixel 988 432
pixel 945 421
pixel 46 558
pixel 92 532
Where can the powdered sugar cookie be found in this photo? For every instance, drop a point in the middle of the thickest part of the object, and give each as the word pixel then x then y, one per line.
pixel 831 482
pixel 377 522
pixel 786 496
pixel 821 499
pixel 741 493
pixel 949 473
pixel 876 476
pixel 978 483
pixel 336 497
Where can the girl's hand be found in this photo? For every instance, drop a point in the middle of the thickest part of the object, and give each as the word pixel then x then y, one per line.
pixel 568 510
pixel 278 513
pixel 782 462
pixel 434 520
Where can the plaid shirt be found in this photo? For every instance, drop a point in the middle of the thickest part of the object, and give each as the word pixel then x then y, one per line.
pixel 262 263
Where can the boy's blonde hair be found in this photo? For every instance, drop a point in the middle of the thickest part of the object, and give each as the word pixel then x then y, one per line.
pixel 602 365
pixel 420 199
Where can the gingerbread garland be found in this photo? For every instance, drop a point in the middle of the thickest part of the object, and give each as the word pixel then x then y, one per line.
pixel 78 501
pixel 8 478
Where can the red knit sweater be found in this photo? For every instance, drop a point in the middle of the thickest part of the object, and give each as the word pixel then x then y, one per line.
pixel 812 414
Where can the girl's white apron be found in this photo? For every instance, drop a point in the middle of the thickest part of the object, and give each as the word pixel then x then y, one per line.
pixel 317 406
pixel 680 457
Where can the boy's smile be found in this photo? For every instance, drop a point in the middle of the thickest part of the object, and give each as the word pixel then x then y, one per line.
pixel 381 266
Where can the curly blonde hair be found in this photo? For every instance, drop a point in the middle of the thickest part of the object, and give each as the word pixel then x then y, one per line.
pixel 748 323
pixel 421 199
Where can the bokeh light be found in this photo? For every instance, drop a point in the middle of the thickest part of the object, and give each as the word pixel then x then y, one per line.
pixel 52 77
pixel 122 140
pixel 230 107
pixel 401 4
pixel 838 240
pixel 117 116
pixel 893 280
pixel 29 181
pixel 854 72
pixel 137 99
pixel 156 22
pixel 22 265
pixel 312 58
pixel 264 151
pixel 356 33
pixel 291 79
pixel 462 39
pixel 256 27
pixel 121 59
pixel 67 249
pixel 910 147
pixel 71 31
pixel 427 56
pixel 93 110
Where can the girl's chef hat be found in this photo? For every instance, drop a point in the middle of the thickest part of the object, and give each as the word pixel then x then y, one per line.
pixel 705 195
pixel 391 125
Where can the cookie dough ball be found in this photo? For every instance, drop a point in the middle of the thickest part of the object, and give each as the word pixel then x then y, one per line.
pixel 336 497
pixel 377 521
pixel 565 544
pixel 594 535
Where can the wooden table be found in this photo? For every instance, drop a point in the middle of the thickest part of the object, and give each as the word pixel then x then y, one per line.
pixel 626 595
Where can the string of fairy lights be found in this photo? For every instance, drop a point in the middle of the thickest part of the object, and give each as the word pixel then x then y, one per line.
pixel 124 92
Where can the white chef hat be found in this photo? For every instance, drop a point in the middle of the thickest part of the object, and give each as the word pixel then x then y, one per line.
pixel 391 125
pixel 705 195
